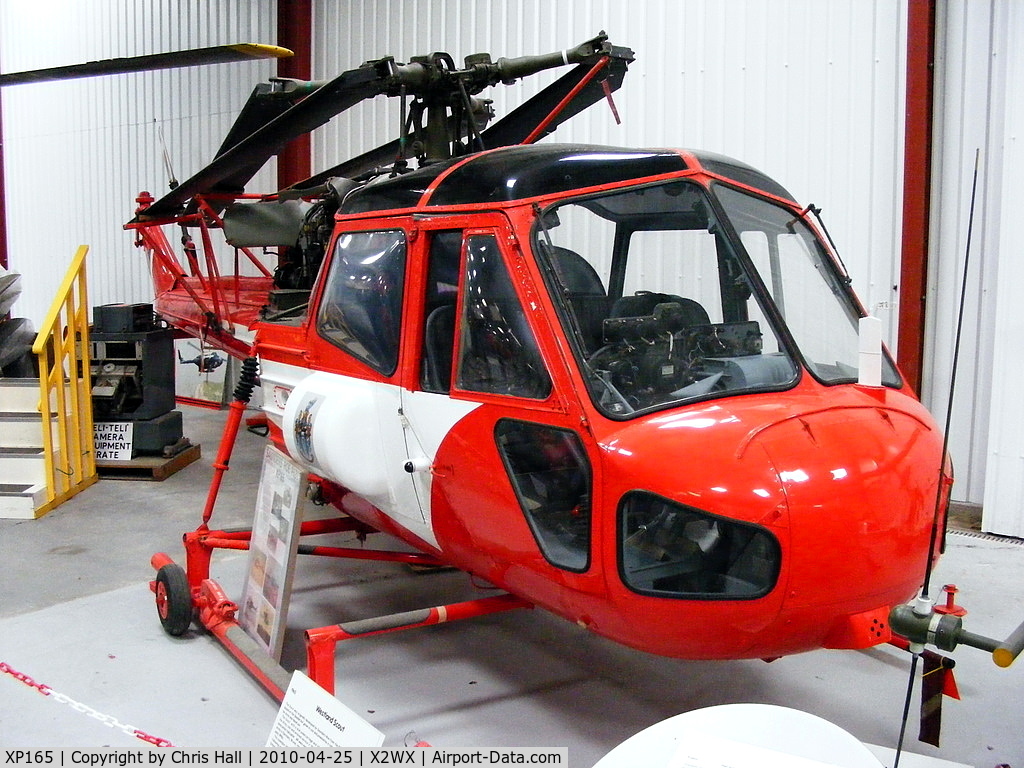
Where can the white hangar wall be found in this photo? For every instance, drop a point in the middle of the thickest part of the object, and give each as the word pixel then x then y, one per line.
pixel 980 73
pixel 810 92
pixel 77 153
pixel 1004 486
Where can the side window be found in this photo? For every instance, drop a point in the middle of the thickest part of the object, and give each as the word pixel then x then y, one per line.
pixel 361 309
pixel 498 353
pixel 551 476
pixel 674 550
pixel 440 310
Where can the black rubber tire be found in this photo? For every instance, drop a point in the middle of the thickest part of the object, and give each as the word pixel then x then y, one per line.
pixel 173 599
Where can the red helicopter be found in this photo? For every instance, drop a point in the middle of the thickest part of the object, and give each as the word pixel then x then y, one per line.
pixel 651 355
pixel 654 357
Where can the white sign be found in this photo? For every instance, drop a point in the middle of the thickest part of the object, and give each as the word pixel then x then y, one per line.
pixel 311 717
pixel 112 440
pixel 272 551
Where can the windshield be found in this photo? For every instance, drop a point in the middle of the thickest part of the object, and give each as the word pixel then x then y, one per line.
pixel 661 308
pixel 809 294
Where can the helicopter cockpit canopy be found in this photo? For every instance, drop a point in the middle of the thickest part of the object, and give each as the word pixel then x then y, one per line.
pixel 672 292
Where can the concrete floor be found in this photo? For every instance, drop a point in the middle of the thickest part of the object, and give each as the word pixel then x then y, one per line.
pixel 76 614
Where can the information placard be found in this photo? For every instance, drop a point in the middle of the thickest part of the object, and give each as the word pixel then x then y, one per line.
pixel 311 717
pixel 272 551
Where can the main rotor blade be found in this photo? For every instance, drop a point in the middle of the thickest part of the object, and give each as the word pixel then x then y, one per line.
pixel 218 54
pixel 236 163
pixel 231 170
pixel 266 103
pixel 353 168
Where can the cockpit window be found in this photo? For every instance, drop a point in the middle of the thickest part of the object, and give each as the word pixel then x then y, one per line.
pixel 809 294
pixel 660 306
pixel 669 549
pixel 498 352
pixel 549 471
pixel 361 310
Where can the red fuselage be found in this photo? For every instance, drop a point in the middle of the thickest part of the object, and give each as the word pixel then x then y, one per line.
pixel 677 455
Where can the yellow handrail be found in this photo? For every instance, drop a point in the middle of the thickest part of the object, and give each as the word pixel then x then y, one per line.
pixel 65 388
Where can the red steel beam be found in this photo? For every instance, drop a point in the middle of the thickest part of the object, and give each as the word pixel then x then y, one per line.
pixel 917 171
pixel 295 32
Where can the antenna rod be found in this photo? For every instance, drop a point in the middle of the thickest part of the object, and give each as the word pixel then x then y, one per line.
pixel 906 710
pixel 952 381
pixel 922 607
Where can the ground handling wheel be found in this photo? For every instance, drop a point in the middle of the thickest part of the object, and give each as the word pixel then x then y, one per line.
pixel 173 599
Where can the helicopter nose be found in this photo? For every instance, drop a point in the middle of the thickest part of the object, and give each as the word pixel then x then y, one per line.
pixel 860 484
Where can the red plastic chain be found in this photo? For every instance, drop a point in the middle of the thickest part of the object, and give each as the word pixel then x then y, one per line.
pixel 156 740
pixel 7 669
pixel 105 719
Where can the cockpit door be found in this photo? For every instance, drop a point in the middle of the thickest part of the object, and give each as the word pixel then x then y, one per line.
pixel 490 441
pixel 428 412
pixel 481 349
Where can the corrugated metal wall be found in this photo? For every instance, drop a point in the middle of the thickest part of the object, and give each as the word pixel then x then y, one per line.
pixel 1004 487
pixel 810 92
pixel 78 152
pixel 981 71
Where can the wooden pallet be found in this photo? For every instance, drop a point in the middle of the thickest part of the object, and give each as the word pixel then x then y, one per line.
pixel 148 467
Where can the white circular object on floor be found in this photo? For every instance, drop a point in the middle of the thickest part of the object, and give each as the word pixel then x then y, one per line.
pixel 742 736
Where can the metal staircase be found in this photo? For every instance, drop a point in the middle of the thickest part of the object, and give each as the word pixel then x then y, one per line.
pixel 46 446
pixel 22 459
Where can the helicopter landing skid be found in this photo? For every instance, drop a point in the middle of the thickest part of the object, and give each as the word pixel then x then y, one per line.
pixel 178 605
pixel 208 604
pixel 321 643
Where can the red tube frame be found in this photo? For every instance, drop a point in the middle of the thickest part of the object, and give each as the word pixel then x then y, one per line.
pixel 217 613
pixel 321 643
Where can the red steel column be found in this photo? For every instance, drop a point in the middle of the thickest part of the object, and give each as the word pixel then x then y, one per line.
pixel 295 32
pixel 916 188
